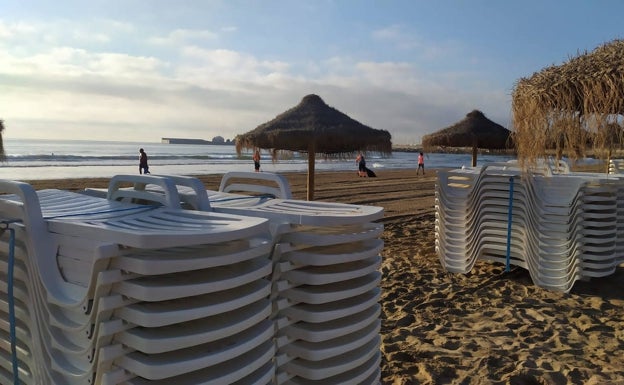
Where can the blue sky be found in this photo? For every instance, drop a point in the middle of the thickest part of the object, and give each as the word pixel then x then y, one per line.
pixel 140 70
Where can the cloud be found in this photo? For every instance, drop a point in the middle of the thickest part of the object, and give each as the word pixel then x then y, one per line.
pixel 398 36
pixel 65 62
pixel 25 40
pixel 222 66
pixel 403 39
pixel 183 36
pixel 87 87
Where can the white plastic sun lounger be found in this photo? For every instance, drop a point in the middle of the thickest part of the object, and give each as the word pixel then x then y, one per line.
pixel 335 366
pixel 175 363
pixel 325 258
pixel 337 348
pixel 168 189
pixel 564 226
pixel 317 332
pixel 134 238
pixel 243 183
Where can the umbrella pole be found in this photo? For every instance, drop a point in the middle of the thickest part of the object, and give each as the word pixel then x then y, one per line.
pixel 311 154
pixel 474 156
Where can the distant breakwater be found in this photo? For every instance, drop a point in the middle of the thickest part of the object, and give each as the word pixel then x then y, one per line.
pixel 451 150
pixel 196 141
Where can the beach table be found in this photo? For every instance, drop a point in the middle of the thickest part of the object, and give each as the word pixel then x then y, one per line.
pixel 106 292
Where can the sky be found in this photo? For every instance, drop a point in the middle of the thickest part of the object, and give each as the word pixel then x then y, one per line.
pixel 141 70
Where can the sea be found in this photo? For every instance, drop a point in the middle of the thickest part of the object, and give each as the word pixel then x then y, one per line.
pixel 31 159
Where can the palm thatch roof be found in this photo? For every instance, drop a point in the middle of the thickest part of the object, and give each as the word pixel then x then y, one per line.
pixel 313 127
pixel 332 132
pixel 571 106
pixel 475 130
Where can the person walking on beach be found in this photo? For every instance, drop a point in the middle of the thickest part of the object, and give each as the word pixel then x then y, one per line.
pixel 421 163
pixel 143 167
pixel 361 164
pixel 256 159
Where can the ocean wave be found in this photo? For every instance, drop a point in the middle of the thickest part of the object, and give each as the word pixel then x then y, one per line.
pixel 52 158
pixel 66 158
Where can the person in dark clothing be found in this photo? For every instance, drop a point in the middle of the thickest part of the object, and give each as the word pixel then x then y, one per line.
pixel 256 160
pixel 143 167
pixel 361 164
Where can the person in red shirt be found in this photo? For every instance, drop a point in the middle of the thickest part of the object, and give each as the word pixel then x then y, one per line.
pixel 256 160
pixel 421 163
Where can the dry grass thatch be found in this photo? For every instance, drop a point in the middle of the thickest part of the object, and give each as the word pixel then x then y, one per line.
pixel 314 123
pixel 572 107
pixel 314 127
pixel 475 130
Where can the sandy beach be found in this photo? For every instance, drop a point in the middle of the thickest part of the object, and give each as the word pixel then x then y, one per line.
pixel 486 327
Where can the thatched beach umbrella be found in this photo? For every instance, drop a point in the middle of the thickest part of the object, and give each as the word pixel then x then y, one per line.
pixel 475 130
pixel 313 127
pixel 571 106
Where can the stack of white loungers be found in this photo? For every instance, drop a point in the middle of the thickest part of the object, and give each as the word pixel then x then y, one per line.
pixel 561 227
pixel 114 293
pixel 316 322
pixel 325 290
pixel 325 276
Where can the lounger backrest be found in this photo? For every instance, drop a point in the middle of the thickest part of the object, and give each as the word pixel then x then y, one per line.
pixel 191 191
pixel 246 182
pixel 166 195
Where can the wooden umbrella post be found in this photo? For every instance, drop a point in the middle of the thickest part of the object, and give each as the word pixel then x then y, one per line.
pixel 475 150
pixel 474 156
pixel 2 153
pixel 311 155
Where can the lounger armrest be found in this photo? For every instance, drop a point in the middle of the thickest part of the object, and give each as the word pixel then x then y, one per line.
pixel 23 206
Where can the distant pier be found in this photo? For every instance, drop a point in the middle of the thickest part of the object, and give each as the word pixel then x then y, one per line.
pixel 195 141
